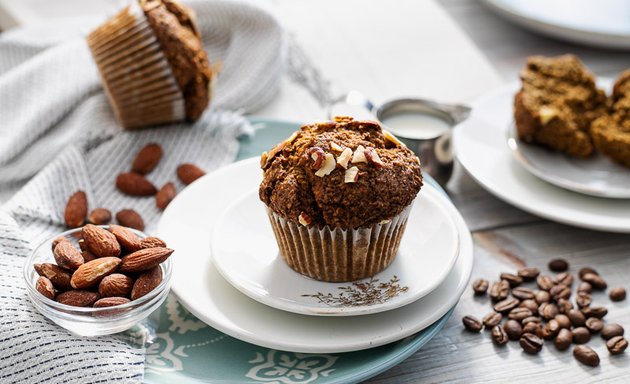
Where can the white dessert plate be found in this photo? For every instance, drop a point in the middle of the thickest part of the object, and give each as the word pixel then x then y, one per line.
pixel 186 226
pixel 245 252
pixel 480 144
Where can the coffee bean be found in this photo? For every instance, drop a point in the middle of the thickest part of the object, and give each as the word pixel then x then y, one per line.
pixel 472 323
pixel 531 319
pixel 513 280
pixel 534 329
pixel 499 336
pixel 594 325
pixel 529 273
pixel 492 319
pixel 564 339
pixel 564 278
pixel 548 311
pixel 563 320
pixel 597 312
pixel 595 281
pixel 564 306
pixel 616 345
pixel 513 329
pixel 480 286
pixel 558 265
pixel 551 329
pixel 585 270
pixel 560 291
pixel 530 343
pixel 523 293
pixel 529 304
pixel 542 297
pixel 577 318
pixel 581 335
pixel 544 282
pixel 617 294
pixel 499 290
pixel 583 299
pixel 506 305
pixel 611 330
pixel 584 287
pixel 519 314
pixel 586 355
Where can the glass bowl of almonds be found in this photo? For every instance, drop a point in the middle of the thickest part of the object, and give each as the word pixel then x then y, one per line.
pixel 98 280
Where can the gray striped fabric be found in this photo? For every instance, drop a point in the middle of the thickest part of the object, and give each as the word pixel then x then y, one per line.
pixel 58 135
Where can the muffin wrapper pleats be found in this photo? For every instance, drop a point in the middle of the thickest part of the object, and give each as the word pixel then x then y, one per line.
pixel 136 75
pixel 335 254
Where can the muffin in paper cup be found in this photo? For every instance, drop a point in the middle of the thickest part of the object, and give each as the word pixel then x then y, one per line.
pixel 152 64
pixel 338 196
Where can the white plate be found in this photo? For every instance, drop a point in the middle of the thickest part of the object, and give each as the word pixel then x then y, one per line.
pixel 186 226
pixel 600 23
pixel 596 176
pixel 245 252
pixel 480 147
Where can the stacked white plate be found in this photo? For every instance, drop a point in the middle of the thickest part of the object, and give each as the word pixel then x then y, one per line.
pixel 228 273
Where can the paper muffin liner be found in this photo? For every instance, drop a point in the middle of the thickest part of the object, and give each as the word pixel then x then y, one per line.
pixel 336 254
pixel 136 74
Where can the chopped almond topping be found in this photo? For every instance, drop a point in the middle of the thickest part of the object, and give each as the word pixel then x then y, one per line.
pixel 359 155
pixel 352 175
pixel 329 165
pixel 344 157
pixel 372 157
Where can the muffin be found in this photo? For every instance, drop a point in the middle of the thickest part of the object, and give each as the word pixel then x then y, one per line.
pixel 338 195
pixel 611 133
pixel 152 64
pixel 557 103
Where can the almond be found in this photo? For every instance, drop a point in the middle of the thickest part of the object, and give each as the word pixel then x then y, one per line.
pixel 110 302
pixel 100 216
pixel 134 184
pixel 76 210
pixel 130 218
pixel 59 277
pixel 115 284
pixel 127 239
pixel 372 157
pixel 77 298
pixel 187 173
pixel 152 242
pixel 45 287
pixel 165 195
pixel 91 273
pixel 100 242
pixel 67 255
pixel 56 241
pixel 147 159
pixel 144 259
pixel 88 256
pixel 146 282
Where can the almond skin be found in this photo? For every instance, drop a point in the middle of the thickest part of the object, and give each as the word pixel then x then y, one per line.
pixel 187 173
pixel 165 195
pixel 67 256
pixel 100 216
pixel 147 159
pixel 99 242
pixel 152 242
pixel 144 259
pixel 130 218
pixel 45 287
pixel 59 277
pixel 91 273
pixel 146 282
pixel 127 239
pixel 115 284
pixel 76 210
pixel 134 184
pixel 110 302
pixel 77 298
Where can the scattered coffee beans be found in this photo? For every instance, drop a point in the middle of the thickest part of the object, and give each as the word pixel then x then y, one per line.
pixel 577 318
pixel 533 328
pixel 558 265
pixel 585 270
pixel 544 282
pixel 542 297
pixel 513 280
pixel 499 290
pixel 584 287
pixel 529 273
pixel 594 325
pixel 583 299
pixel 581 335
pixel 499 336
pixel 480 286
pixel 492 319
pixel 617 294
pixel 548 311
pixel 595 281
pixel 563 321
pixel 522 293
pixel 598 312
pixel 506 305
pixel 586 355
pixel 616 345
pixel 564 278
pixel 529 304
pixel 519 314
pixel 513 329
pixel 530 343
pixel 611 330
pixel 564 339
pixel 564 306
pixel 472 323
pixel 551 329
pixel 560 291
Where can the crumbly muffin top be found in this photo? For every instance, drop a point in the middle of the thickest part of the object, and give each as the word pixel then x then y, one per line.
pixel 343 173
pixel 175 29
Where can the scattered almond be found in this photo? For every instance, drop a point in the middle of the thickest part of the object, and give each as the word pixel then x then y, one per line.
pixel 393 139
pixel 144 259
pixel 351 175
pixel 147 159
pixel 146 282
pixel 78 298
pixel 165 195
pixel 91 273
pixel 304 219
pixel 110 302
pixel 329 165
pixel 76 210
pixel 187 173
pixel 100 216
pixel 127 239
pixel 317 155
pixel 372 157
pixel 359 155
pixel 335 147
pixel 152 242
pixel 135 184
pixel 130 218
pixel 45 287
pixel 57 240
pixel 99 242
pixel 115 284
pixel 59 277
pixel 67 256
pixel 344 158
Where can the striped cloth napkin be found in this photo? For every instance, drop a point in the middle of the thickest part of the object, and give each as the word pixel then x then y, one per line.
pixel 58 135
